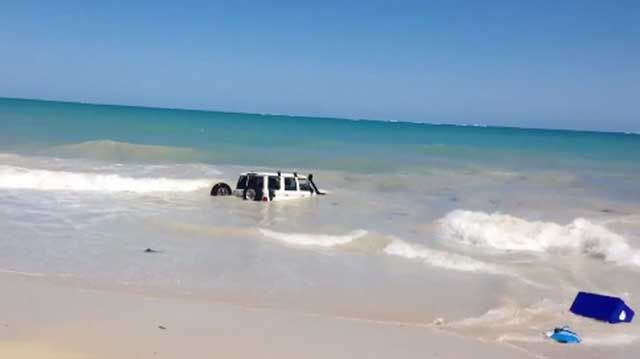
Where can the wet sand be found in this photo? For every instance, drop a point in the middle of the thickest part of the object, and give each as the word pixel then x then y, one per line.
pixel 44 319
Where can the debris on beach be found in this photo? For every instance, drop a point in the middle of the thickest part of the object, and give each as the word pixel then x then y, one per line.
pixel 162 327
pixel 602 307
pixel 564 335
pixel 149 250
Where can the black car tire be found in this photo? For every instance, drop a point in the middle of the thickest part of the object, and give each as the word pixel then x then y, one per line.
pixel 250 194
pixel 221 189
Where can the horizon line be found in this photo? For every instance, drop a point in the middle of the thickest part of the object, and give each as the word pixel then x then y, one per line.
pixel 354 119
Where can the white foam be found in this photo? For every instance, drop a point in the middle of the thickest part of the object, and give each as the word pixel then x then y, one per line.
pixel 317 240
pixel 508 233
pixel 515 323
pixel 521 338
pixel 437 258
pixel 12 177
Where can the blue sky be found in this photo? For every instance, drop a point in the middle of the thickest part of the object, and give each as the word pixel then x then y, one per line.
pixel 552 64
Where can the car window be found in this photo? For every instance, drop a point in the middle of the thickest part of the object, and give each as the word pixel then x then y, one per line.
pixel 290 184
pixel 242 182
pixel 304 184
pixel 256 182
pixel 274 183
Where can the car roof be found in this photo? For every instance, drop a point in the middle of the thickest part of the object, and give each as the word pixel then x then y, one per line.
pixel 283 174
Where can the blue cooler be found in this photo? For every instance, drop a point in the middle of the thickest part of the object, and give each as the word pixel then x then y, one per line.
pixel 602 307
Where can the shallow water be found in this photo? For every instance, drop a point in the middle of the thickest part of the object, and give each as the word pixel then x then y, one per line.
pixel 491 230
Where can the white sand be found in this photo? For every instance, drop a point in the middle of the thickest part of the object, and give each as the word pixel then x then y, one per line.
pixel 42 319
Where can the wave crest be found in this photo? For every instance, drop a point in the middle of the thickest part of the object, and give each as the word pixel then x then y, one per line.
pixel 508 233
pixel 436 258
pixel 12 177
pixel 387 245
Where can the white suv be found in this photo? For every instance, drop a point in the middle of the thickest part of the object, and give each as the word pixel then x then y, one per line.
pixel 269 186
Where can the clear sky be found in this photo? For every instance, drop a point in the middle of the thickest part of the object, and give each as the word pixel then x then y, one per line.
pixel 556 64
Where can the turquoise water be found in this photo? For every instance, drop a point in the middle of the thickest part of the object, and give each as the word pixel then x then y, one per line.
pixel 492 229
pixel 313 143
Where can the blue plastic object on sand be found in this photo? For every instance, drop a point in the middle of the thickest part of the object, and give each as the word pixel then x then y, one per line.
pixel 565 336
pixel 602 307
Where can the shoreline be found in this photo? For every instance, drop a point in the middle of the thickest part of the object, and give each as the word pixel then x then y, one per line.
pixel 48 319
pixel 65 321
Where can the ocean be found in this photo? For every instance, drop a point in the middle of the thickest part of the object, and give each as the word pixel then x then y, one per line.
pixel 481 231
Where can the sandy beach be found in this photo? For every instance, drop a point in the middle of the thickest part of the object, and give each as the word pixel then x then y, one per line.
pixel 44 319
pixel 55 320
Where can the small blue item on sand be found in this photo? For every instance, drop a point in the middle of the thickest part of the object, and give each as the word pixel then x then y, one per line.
pixel 564 335
pixel 602 307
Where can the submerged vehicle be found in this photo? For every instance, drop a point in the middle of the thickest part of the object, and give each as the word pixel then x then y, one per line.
pixel 269 186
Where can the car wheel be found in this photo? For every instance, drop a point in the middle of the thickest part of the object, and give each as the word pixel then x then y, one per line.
pixel 221 189
pixel 250 194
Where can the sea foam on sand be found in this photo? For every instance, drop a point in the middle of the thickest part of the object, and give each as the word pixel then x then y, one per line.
pixel 318 240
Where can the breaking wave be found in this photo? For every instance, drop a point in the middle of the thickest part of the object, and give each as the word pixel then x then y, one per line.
pixel 317 240
pixel 387 245
pixel 123 151
pixel 508 233
pixel 436 258
pixel 12 177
